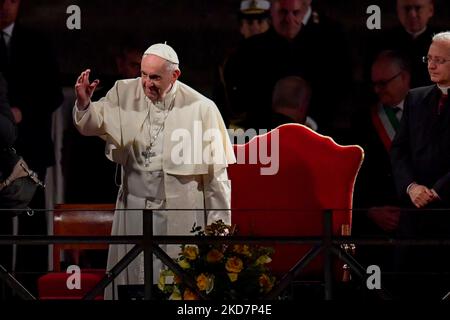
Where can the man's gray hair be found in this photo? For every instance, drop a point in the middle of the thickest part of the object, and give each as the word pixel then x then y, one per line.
pixel 442 36
pixel 171 67
pixel 291 92
pixel 397 57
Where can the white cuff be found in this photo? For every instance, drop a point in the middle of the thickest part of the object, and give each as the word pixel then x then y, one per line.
pixel 84 108
pixel 409 187
pixel 78 114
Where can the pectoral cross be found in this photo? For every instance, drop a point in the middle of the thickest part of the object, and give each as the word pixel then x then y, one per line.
pixel 147 154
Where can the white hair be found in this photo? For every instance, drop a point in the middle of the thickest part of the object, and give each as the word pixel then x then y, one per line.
pixel 442 36
pixel 172 66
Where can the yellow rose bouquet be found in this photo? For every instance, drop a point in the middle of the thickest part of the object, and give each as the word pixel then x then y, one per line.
pixel 220 271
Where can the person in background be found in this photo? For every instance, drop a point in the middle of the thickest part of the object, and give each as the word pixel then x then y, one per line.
pixel 18 183
pixel 421 168
pixel 376 204
pixel 290 102
pixel 254 19
pixel 300 42
pixel 412 37
pixel 25 52
pixel 102 174
pixel 8 135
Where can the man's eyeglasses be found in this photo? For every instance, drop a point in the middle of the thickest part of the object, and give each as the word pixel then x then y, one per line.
pixel 436 60
pixel 384 83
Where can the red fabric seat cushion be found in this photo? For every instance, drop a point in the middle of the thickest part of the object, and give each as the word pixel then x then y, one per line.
pixel 54 285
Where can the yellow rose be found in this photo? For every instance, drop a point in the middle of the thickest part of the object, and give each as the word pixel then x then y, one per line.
pixel 176 295
pixel 263 260
pixel 162 282
pixel 205 283
pixel 265 282
pixel 233 276
pixel 190 252
pixel 234 264
pixel 242 249
pixel 202 282
pixel 165 277
pixel 214 256
pixel 189 295
pixel 184 264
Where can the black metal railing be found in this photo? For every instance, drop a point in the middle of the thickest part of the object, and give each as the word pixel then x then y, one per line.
pixel 327 244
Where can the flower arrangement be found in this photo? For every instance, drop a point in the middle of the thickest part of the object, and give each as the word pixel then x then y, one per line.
pixel 221 271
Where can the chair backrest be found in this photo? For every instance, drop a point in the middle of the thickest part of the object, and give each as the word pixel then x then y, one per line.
pixel 314 173
pixel 80 220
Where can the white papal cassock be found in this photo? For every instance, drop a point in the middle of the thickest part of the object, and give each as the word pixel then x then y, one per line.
pixel 187 169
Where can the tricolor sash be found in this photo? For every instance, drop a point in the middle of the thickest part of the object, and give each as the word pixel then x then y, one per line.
pixel 386 123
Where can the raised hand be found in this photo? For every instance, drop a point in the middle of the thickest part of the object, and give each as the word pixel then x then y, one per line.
pixel 84 89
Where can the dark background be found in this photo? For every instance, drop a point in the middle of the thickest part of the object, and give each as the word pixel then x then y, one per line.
pixel 199 30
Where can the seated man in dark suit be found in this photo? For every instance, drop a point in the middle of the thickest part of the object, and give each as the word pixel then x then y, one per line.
pixel 420 157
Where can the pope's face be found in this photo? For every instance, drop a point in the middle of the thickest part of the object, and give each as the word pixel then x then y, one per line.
pixel 157 79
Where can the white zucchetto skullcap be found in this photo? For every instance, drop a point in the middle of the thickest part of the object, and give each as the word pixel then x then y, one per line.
pixel 164 51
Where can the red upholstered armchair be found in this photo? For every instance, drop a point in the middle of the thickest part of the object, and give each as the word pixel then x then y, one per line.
pixel 80 220
pixel 76 220
pixel 314 173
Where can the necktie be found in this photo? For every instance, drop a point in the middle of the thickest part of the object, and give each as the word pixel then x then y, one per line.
pixel 3 52
pixel 442 102
pixel 391 113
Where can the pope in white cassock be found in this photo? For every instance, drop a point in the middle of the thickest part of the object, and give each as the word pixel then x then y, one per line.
pixel 173 148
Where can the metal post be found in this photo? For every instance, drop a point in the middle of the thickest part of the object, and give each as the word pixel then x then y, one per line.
pixel 113 273
pixel 147 233
pixel 327 234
